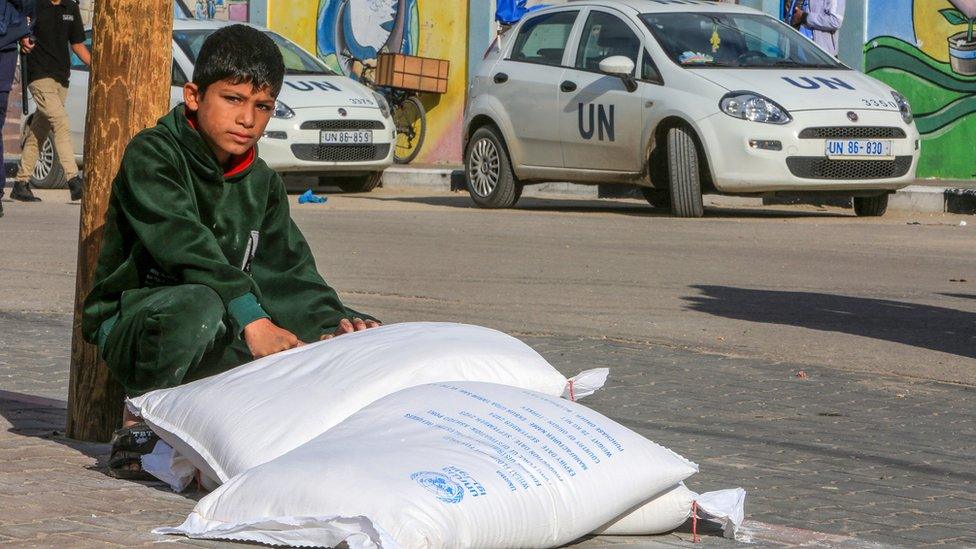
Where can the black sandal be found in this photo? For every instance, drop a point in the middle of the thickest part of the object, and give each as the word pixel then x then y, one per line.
pixel 129 444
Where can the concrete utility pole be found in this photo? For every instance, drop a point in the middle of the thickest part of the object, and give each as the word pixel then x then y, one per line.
pixel 129 89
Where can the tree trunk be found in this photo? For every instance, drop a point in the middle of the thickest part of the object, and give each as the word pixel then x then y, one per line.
pixel 129 90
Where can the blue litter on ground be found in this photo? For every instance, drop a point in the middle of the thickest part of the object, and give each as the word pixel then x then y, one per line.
pixel 308 197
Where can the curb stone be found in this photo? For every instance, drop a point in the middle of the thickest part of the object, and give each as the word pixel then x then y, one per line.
pixel 916 198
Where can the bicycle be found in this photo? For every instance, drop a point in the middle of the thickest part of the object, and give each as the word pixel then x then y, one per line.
pixel 409 114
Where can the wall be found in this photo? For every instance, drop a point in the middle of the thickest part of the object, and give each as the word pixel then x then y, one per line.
pixel 908 47
pixel 221 10
pixel 428 28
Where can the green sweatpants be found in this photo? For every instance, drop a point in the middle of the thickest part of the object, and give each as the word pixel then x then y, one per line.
pixel 167 336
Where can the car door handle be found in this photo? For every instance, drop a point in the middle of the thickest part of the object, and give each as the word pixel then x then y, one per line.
pixel 501 78
pixel 568 86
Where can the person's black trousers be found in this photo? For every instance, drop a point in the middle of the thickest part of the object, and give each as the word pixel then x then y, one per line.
pixel 8 67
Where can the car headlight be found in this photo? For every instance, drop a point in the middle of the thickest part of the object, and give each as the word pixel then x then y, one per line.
pixel 754 107
pixel 282 110
pixel 383 104
pixel 904 107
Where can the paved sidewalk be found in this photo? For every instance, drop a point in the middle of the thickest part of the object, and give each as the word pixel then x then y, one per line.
pixel 828 458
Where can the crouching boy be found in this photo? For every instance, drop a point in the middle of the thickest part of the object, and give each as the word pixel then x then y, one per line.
pixel 202 268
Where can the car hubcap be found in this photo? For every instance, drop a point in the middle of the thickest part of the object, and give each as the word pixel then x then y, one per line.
pixel 45 161
pixel 483 170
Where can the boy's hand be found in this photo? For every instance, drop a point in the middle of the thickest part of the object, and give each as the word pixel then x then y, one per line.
pixel 263 338
pixel 347 326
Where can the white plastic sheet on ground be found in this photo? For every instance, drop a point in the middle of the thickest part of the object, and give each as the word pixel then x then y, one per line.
pixel 462 464
pixel 247 416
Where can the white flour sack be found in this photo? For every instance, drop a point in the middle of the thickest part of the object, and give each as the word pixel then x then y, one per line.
pixel 247 416
pixel 670 509
pixel 462 464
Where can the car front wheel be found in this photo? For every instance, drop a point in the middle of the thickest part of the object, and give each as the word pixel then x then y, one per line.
pixel 871 206
pixel 684 174
pixel 354 184
pixel 488 171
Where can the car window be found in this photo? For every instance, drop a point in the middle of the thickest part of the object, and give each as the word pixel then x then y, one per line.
pixel 649 69
pixel 179 78
pixel 296 60
pixel 704 40
pixel 605 35
pixel 76 64
pixel 543 39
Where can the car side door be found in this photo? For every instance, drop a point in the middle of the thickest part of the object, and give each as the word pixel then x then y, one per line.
pixel 601 121
pixel 526 83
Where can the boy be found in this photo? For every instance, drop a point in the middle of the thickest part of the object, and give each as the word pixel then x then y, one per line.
pixel 201 268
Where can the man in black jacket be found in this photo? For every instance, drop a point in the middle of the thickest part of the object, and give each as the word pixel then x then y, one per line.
pixel 15 16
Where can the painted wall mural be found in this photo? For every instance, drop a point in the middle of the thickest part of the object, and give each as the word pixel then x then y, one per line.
pixel 339 30
pixel 220 10
pixel 926 50
pixel 363 29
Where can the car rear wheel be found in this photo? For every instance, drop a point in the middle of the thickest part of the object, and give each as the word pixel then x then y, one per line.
pixel 684 174
pixel 488 171
pixel 48 173
pixel 871 206
pixel 354 184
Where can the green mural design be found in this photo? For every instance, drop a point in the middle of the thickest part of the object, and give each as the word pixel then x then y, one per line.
pixel 937 72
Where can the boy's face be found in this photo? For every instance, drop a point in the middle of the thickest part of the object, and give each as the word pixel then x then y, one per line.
pixel 230 117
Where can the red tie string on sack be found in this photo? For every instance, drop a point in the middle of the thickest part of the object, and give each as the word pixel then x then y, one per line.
pixel 572 396
pixel 694 522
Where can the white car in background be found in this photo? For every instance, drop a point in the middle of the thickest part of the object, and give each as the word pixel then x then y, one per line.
pixel 680 97
pixel 324 124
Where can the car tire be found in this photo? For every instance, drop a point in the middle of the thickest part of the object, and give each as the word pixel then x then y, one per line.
pixel 684 174
pixel 488 171
pixel 48 173
pixel 656 197
pixel 354 184
pixel 871 206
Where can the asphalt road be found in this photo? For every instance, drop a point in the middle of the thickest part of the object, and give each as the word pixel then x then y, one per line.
pixel 895 295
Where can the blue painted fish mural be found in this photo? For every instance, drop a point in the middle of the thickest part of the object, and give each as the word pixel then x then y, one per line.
pixel 362 29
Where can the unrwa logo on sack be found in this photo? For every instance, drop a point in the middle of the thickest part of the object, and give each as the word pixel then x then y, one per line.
pixel 444 488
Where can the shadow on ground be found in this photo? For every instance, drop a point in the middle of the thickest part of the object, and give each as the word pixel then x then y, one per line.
pixel 936 328
pixel 45 418
pixel 608 206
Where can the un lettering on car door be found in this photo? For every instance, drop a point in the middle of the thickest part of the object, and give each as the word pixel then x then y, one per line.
pixel 601 126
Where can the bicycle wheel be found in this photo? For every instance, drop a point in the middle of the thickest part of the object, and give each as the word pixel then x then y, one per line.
pixel 410 118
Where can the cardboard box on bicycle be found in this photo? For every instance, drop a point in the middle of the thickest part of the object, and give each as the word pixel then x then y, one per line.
pixel 409 72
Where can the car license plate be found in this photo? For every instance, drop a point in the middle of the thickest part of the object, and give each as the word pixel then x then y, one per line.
pixel 362 137
pixel 858 148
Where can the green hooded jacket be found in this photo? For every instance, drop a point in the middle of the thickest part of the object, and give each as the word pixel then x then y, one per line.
pixel 175 218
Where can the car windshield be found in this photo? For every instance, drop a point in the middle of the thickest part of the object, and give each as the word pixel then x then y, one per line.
pixel 734 40
pixel 296 60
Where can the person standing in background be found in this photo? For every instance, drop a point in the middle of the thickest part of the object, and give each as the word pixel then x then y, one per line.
pixel 57 27
pixel 819 20
pixel 15 17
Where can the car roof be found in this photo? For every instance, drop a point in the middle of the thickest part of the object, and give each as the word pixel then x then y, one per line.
pixel 200 24
pixel 662 6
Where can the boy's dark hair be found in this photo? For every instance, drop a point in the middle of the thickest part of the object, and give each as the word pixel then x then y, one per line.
pixel 241 54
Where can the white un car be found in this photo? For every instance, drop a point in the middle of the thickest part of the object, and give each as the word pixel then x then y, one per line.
pixel 324 124
pixel 680 98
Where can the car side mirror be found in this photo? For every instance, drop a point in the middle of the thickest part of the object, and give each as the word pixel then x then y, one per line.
pixel 621 67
